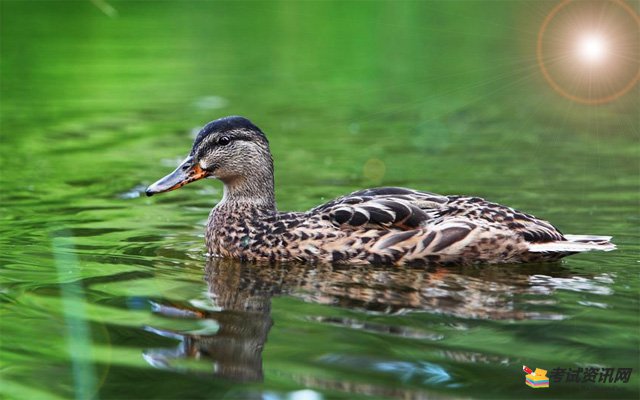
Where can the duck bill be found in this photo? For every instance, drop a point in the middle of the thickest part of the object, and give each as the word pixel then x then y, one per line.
pixel 187 172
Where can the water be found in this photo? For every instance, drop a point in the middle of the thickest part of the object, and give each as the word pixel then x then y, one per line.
pixel 108 294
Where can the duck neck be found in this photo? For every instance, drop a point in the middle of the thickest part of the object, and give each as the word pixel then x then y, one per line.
pixel 250 194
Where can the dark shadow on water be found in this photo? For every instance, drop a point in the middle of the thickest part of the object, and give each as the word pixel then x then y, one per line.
pixel 240 305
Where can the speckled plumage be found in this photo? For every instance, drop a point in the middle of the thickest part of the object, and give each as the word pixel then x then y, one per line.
pixel 389 225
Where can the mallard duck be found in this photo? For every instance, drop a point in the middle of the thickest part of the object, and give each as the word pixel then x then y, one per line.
pixel 387 225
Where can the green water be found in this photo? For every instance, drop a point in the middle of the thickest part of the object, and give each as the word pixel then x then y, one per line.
pixel 108 294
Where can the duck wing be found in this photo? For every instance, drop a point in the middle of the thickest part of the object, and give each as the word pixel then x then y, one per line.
pixel 383 208
pixel 480 211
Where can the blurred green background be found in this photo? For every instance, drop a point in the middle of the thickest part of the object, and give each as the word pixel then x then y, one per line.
pixel 100 99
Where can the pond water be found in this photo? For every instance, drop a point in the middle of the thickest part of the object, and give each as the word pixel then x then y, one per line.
pixel 108 294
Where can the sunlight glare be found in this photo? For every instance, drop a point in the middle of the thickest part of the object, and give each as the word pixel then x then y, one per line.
pixel 592 48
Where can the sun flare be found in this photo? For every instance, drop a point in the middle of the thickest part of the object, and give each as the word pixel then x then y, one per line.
pixel 592 48
pixel 589 51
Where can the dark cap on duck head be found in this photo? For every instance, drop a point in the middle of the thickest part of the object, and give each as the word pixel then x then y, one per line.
pixel 228 124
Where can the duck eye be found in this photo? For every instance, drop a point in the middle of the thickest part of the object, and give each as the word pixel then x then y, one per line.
pixel 223 141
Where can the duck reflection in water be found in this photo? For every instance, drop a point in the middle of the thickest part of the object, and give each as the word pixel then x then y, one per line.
pixel 241 309
pixel 241 294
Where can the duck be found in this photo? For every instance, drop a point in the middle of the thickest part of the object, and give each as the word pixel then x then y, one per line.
pixel 376 226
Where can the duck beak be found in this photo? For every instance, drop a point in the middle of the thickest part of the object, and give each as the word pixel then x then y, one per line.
pixel 187 172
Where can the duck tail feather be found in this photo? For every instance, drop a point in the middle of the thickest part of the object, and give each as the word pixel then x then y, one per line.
pixel 587 238
pixel 574 244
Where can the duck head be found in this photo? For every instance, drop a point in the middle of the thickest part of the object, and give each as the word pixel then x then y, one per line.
pixel 231 149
